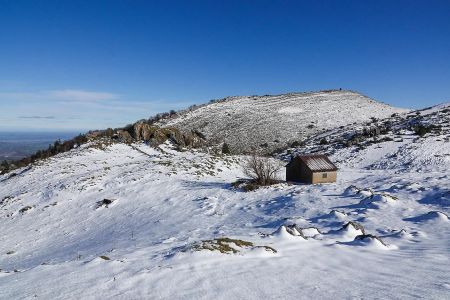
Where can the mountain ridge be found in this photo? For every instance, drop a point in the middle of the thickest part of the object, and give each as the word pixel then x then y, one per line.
pixel 269 122
pixel 266 124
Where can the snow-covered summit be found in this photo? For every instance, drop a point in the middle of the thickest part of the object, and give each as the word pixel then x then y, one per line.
pixel 272 122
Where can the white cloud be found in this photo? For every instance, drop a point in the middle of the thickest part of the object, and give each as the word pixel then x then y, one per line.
pixel 80 95
pixel 67 95
pixel 70 108
pixel 37 117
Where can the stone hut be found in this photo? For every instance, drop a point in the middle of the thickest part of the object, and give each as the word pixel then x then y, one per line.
pixel 311 168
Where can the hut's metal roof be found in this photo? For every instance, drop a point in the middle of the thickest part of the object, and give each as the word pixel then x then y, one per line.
pixel 317 162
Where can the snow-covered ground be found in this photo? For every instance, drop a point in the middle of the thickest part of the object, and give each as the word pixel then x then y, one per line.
pixel 128 221
pixel 274 121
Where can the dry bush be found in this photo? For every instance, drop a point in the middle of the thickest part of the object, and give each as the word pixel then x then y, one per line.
pixel 262 170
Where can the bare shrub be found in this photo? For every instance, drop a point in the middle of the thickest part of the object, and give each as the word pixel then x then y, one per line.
pixel 262 170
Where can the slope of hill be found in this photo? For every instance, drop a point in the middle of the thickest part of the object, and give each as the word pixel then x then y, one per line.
pixel 413 142
pixel 272 122
pixel 132 221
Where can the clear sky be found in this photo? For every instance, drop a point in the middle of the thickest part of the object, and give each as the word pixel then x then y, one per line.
pixel 94 64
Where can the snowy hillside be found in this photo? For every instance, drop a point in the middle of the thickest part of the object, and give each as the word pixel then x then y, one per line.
pixel 136 222
pixel 272 122
pixel 417 141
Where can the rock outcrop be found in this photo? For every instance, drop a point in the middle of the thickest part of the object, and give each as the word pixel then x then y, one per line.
pixel 124 136
pixel 154 135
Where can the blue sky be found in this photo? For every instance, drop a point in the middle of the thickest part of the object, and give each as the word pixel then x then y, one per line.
pixel 95 64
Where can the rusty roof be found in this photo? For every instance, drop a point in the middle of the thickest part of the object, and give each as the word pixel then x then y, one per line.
pixel 317 162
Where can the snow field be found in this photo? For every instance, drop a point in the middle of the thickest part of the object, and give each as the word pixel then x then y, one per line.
pixel 164 201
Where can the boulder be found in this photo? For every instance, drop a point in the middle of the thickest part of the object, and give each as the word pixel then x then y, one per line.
pixel 143 131
pixel 124 136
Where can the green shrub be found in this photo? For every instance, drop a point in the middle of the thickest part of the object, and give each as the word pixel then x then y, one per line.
pixel 225 148
pixel 422 130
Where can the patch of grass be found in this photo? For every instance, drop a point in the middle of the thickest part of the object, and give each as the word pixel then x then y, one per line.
pixel 227 245
pixel 248 185
pixel 223 245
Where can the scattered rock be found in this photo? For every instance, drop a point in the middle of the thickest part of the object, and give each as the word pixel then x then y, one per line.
pixel 401 234
pixel 337 214
pixel 266 248
pixel 287 232
pixel 353 226
pixel 306 232
pixel 353 190
pixel 383 197
pixel 371 240
pixel 105 203
pixel 363 237
pixel 25 209
pixel 379 198
pixel 310 232
pixel 292 229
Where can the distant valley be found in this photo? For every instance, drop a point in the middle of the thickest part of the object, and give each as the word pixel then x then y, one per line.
pixel 17 145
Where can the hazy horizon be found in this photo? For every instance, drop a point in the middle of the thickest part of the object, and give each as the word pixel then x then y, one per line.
pixel 19 144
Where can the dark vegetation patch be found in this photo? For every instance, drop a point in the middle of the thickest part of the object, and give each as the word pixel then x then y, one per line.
pixel 5 200
pixel 226 149
pixel 247 185
pixel 25 209
pixel 105 203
